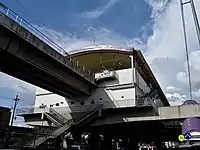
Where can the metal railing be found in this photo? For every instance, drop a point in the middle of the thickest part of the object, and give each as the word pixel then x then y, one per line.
pixel 20 139
pixel 57 131
pixel 22 22
pixel 81 114
pixel 60 110
pixel 22 111
pixel 86 107
pixel 38 136
pixel 60 117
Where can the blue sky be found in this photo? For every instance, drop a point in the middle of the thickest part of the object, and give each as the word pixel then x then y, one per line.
pixel 69 15
pixel 154 26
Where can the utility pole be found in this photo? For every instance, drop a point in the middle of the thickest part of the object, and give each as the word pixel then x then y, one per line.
pixel 16 100
pixel 195 20
pixel 191 2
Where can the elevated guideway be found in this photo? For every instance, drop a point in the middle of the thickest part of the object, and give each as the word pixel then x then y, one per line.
pixel 142 114
pixel 27 54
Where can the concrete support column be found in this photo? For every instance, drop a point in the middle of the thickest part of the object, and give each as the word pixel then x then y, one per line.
pixel 58 142
pixel 94 141
pixel 107 144
pixel 76 136
pixel 158 144
pixel 125 143
pixel 133 143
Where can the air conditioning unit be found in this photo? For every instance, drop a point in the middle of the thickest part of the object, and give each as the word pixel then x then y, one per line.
pixel 106 75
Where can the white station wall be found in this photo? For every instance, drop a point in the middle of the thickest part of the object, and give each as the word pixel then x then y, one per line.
pixel 112 94
pixel 44 97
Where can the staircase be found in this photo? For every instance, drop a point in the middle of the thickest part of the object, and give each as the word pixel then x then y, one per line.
pixel 53 119
pixel 56 117
pixel 88 116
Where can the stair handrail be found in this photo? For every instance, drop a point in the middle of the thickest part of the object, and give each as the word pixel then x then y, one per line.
pixel 69 123
pixel 22 22
pixel 90 109
pixel 72 122
pixel 59 116
pixel 54 120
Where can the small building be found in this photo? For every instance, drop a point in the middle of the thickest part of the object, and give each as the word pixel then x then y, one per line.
pixel 5 115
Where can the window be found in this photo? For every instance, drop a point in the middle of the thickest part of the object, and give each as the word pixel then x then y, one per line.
pixel 51 105
pixel 92 101
pixel 122 96
pixel 72 102
pixel 61 102
pixel 82 103
pixel 42 106
pixel 57 104
pixel 100 98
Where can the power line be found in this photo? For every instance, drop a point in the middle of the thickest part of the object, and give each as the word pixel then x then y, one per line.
pixel 5 97
pixel 19 3
pixel 77 30
pixel 29 12
pixel 2 97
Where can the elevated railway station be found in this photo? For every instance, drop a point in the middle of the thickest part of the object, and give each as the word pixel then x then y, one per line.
pixel 98 97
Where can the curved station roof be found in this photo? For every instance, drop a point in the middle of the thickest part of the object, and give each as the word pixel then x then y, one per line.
pixel 97 58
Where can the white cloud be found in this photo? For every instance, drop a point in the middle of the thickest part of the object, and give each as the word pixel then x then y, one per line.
pixel 99 11
pixel 158 6
pixel 166 53
pixel 196 93
pixel 172 89
pixel 102 36
pixel 195 70
pixel 16 85
pixel 176 98
pixel 24 90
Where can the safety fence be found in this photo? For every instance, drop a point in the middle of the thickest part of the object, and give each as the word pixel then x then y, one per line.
pixel 19 139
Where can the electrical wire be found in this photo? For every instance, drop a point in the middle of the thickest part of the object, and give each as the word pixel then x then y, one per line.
pixel 22 6
pixel 27 11
pixel 5 97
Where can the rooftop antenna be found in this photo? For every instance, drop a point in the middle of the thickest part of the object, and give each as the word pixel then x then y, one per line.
pixel 191 2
